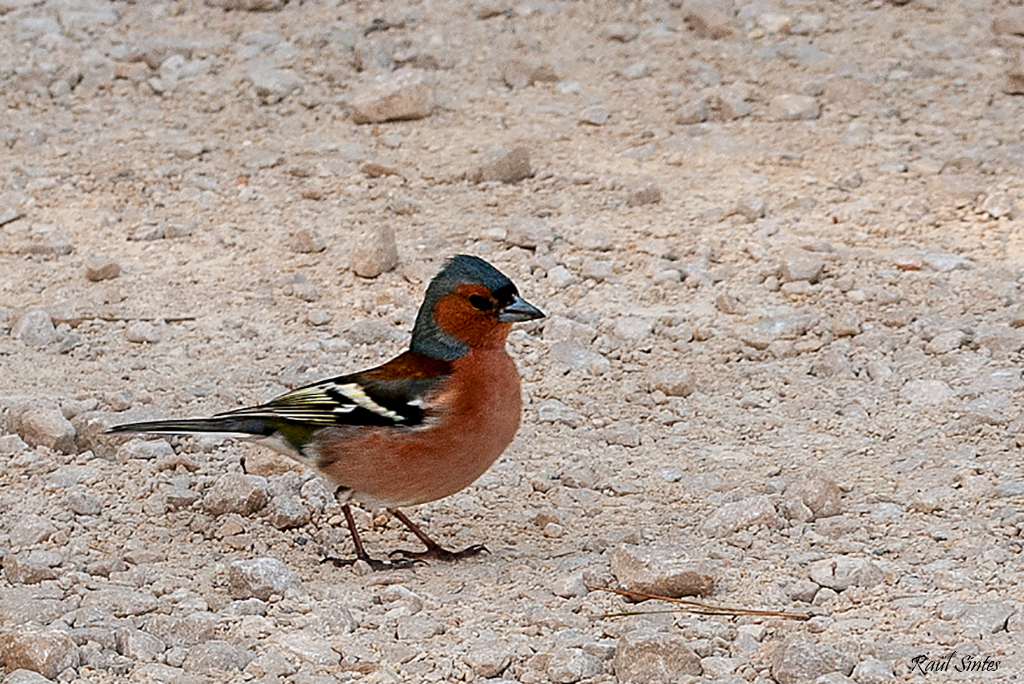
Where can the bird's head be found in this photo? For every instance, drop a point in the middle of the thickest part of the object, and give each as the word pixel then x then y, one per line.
pixel 469 305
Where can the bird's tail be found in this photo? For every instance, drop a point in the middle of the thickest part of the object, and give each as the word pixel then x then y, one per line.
pixel 226 425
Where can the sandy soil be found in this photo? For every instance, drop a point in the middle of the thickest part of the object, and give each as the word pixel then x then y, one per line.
pixel 779 244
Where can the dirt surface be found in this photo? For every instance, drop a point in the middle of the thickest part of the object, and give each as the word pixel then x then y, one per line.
pixel 779 244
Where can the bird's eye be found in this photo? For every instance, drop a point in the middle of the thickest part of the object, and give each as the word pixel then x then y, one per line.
pixel 481 303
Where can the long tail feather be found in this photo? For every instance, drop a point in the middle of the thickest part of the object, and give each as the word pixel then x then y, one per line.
pixel 223 425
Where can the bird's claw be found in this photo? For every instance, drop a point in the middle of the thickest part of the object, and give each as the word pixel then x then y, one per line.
pixel 440 554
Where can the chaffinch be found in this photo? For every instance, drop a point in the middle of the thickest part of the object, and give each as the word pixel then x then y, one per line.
pixel 416 429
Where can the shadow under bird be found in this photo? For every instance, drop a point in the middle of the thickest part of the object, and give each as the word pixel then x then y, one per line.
pixel 416 429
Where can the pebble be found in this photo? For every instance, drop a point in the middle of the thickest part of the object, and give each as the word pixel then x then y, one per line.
pixel 706 20
pixel 751 208
pixel 503 166
pixel 924 393
pixel 489 660
pixel 376 252
pixel 83 503
pixel 728 105
pixel 215 657
pixel 307 648
pixel 47 652
pixel 303 289
pixel 138 645
pixel 738 515
pixel 44 426
pixel 622 434
pixel 692 112
pixel 529 232
pixel 143 449
pixel 644 657
pixel 846 324
pixel 518 73
pixel 417 628
pixel 99 267
pixel 797 660
pixel 31 568
pixel 35 328
pixel 595 115
pixel 597 269
pixel 142 332
pixel 842 572
pixel 25 677
pixel 286 512
pixel 247 5
pixel 999 338
pixel 672 382
pixel 648 193
pixel 261 578
pixel 45 240
pixel 820 494
pixel 560 277
pixel 11 445
pixel 554 411
pixel 799 264
pixel 634 328
pixel 235 493
pixel 569 665
pixel 873 671
pixel 988 617
pixel 1014 84
pixel 29 530
pixel 789 107
pixel 661 571
pixel 404 96
pixel 306 240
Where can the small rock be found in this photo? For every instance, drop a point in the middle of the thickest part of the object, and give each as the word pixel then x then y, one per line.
pixel 570 586
pixel 503 166
pixel 286 512
pixel 621 434
pixel 595 115
pixel 634 328
pixel 1015 77
pixel 261 578
pixel 303 289
pixel 376 252
pixel 786 326
pixel 643 657
pixel 529 232
pixel 141 332
pixel 648 193
pixel 569 665
pixel 45 427
pixel 517 73
pixel 1009 489
pixel 31 568
pixel 404 97
pixel 560 277
pixel 692 112
pixel 215 657
pixel 29 530
pixel 788 107
pixel 99 267
pixel 35 328
pixel 999 204
pixel 47 652
pixel 923 393
pixel 83 503
pixel 597 269
pixel 706 20
pixel 846 324
pixel 750 208
pixel 11 445
pixel 799 264
pixel 489 660
pixel 738 515
pixel 143 450
pixel 247 5
pixel 674 383
pixel 554 411
pixel 234 493
pixel 873 671
pixel 999 338
pixel 841 572
pixel 25 677
pixel 1009 22
pixel 147 232
pixel 943 343
pixel 416 628
pixel 820 494
pixel 798 660
pixel 307 648
pixel 984 618
pixel 138 645
pixel 728 105
pixel 661 571
pixel 45 240
pixel 307 240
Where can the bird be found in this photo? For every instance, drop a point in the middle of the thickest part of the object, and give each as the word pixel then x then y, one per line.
pixel 416 429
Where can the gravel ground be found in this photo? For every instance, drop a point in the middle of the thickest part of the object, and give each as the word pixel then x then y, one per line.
pixel 780 248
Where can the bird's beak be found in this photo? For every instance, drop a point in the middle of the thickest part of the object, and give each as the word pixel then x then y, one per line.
pixel 519 310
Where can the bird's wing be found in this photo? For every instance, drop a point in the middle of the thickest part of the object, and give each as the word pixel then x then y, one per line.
pixel 395 394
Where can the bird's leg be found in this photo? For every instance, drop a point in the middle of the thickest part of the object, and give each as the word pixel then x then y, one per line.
pixel 434 550
pixel 361 554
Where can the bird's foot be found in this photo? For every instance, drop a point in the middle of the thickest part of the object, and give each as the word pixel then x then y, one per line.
pixel 375 565
pixel 437 552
